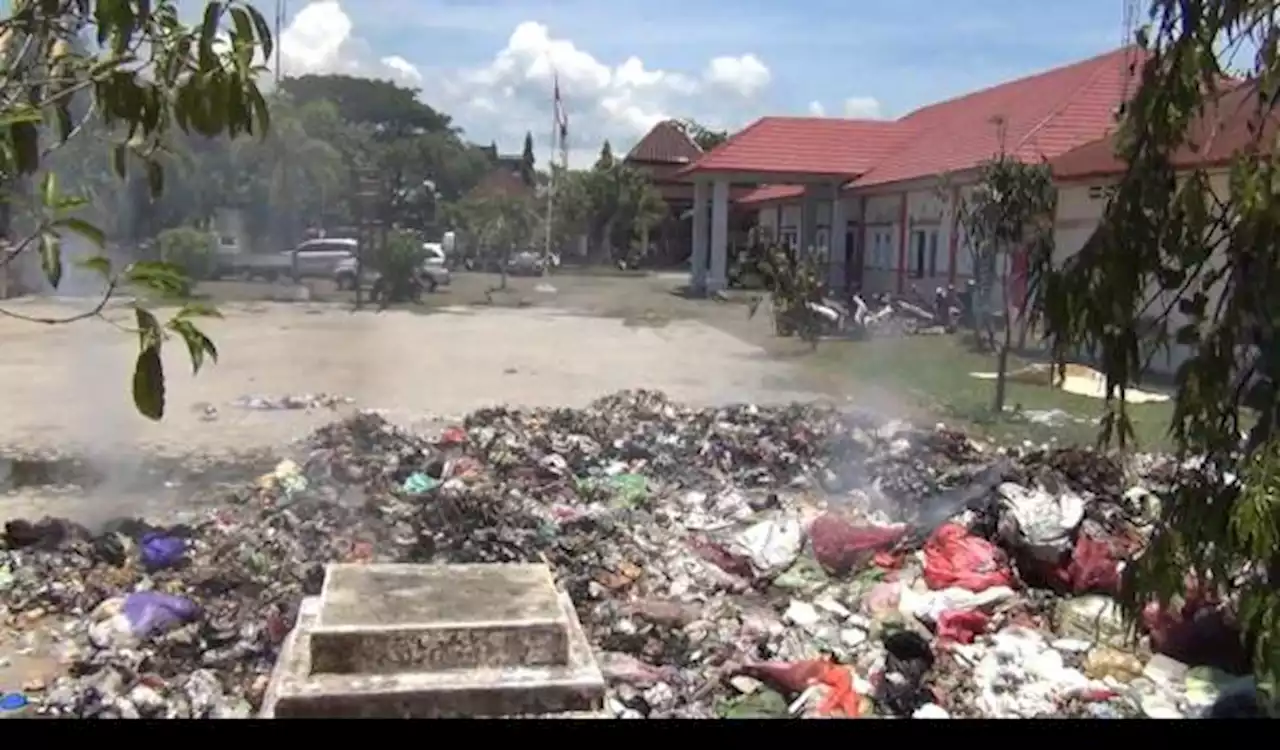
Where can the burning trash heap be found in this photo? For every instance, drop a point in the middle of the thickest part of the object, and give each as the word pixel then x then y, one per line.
pixel 732 562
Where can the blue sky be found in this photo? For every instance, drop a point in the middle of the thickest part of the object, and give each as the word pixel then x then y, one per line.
pixel 623 65
pixel 905 53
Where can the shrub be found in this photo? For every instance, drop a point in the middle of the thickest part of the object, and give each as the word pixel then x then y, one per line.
pixel 191 250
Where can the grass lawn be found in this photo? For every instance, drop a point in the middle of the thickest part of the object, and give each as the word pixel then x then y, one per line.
pixel 931 374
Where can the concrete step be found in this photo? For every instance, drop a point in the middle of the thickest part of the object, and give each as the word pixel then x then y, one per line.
pixel 389 619
pixel 574 688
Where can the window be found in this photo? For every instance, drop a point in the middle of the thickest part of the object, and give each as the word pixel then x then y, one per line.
pixel 820 239
pixel 789 238
pixel 923 260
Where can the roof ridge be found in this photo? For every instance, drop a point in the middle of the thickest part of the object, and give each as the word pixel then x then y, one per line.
pixel 1068 100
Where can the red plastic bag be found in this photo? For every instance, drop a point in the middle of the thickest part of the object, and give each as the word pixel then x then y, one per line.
pixel 840 547
pixel 960 626
pixel 954 557
pixel 1093 567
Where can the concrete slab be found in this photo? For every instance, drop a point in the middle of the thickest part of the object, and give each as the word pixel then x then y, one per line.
pixel 390 619
pixel 295 691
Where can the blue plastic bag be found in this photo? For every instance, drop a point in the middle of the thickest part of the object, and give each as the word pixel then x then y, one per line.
pixel 152 613
pixel 160 550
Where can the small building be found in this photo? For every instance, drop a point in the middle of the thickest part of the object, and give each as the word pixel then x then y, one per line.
pixel 1086 175
pixel 878 197
pixel 662 154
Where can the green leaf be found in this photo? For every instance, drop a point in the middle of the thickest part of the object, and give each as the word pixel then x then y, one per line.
pixel 149 331
pixel 208 34
pixel 155 177
pixel 197 310
pixel 198 344
pixel 148 383
pixel 51 258
pixel 119 159
pixel 49 189
pixel 83 228
pixel 148 370
pixel 100 264
pixel 26 146
pixel 158 276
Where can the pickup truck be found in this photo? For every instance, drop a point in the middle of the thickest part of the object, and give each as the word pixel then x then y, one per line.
pixel 313 259
pixel 434 269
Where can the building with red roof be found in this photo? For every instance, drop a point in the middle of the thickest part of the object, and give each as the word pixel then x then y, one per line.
pixel 878 197
pixel 1232 125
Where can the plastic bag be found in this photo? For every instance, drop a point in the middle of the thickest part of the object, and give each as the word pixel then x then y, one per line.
pixel 960 626
pixel 840 547
pixel 151 612
pixel 954 557
pixel 159 550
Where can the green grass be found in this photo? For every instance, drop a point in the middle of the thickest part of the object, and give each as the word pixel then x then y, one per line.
pixel 930 376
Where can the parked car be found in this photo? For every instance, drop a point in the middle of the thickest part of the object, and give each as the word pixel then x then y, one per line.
pixel 434 270
pixel 313 259
pixel 526 263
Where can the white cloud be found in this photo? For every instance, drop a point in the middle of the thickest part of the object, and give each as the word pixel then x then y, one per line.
pixel 319 40
pixel 619 102
pixel 816 109
pixel 863 107
pixel 510 94
pixel 745 75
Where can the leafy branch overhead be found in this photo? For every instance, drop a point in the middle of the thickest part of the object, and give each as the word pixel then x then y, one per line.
pixel 143 74
pixel 1186 264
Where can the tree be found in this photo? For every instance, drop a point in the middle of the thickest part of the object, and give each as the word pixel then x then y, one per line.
pixel 706 138
pixel 528 162
pixel 494 225
pixel 605 160
pixel 393 111
pixel 148 76
pixel 1204 264
pixel 1009 210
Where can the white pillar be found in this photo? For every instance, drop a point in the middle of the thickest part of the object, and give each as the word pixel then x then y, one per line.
pixel 718 279
pixel 836 273
pixel 809 221
pixel 698 262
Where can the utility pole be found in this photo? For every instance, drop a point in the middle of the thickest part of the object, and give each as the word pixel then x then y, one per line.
pixel 367 195
pixel 282 8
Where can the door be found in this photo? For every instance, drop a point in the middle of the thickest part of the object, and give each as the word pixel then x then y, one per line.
pixel 853 259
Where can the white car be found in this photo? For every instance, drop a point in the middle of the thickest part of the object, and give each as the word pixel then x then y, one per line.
pixel 433 266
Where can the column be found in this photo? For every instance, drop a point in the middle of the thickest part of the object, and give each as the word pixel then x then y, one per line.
pixel 809 222
pixel 719 278
pixel 837 276
pixel 698 261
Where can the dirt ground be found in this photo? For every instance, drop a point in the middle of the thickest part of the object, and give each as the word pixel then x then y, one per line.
pixel 69 385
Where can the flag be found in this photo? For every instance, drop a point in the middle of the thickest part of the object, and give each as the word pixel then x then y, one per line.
pixel 562 119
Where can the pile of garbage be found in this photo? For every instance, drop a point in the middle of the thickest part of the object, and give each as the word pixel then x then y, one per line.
pixel 726 562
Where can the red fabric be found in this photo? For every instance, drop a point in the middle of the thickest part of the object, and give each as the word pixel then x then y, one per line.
pixel 840 547
pixel 1093 567
pixel 954 557
pixel 961 627
pixel 453 436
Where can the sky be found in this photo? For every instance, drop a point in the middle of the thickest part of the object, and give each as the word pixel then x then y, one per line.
pixel 625 65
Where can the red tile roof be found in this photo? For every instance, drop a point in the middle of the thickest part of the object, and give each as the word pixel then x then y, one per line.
pixel 1038 117
pixel 767 193
pixel 805 145
pixel 1228 126
pixel 666 143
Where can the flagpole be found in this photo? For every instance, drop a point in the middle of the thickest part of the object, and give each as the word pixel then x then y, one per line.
pixel 551 185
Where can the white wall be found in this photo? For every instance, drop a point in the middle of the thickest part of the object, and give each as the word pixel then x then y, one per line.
pixel 1080 209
